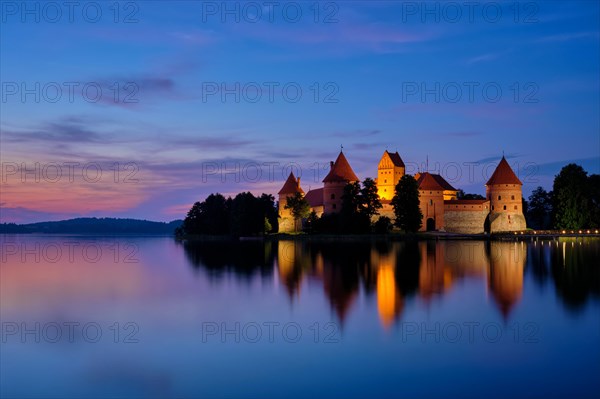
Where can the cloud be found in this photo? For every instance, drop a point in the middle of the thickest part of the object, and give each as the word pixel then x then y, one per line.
pixel 338 39
pixel 568 36
pixel 22 215
pixel 483 58
pixel 497 158
pixel 211 143
pixel 367 146
pixel 195 37
pixel 357 133
pixel 66 130
pixel 132 92
pixel 591 165
pixel 462 134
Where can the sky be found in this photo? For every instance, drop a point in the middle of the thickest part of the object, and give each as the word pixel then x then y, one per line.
pixel 141 108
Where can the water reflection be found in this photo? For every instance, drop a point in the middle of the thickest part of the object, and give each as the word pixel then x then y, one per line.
pixel 370 292
pixel 393 272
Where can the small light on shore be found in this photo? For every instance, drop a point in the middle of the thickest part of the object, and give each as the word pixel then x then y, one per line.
pixel 563 232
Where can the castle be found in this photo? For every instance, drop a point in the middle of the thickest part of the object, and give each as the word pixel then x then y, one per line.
pixel 500 211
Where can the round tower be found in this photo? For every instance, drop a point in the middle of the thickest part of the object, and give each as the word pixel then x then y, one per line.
pixel 339 176
pixel 289 189
pixel 504 192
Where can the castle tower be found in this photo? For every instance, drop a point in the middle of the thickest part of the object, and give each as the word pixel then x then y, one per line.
pixel 505 279
pixel 503 190
pixel 289 189
pixel 389 172
pixel 339 175
pixel 433 189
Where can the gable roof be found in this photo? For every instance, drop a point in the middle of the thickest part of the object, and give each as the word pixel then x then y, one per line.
pixel 430 181
pixel 503 175
pixel 315 197
pixel 395 157
pixel 341 171
pixel 442 182
pixel 291 185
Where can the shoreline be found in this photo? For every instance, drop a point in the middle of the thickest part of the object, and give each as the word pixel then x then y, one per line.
pixel 423 236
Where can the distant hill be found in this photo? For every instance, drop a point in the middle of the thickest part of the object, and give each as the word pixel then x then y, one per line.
pixel 93 226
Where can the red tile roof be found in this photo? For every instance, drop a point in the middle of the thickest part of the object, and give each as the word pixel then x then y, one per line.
pixel 341 171
pixel 430 181
pixel 503 175
pixel 395 157
pixel 291 185
pixel 315 197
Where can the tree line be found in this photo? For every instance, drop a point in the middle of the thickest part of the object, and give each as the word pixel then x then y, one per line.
pixel 241 216
pixel 93 226
pixel 573 203
pixel 247 215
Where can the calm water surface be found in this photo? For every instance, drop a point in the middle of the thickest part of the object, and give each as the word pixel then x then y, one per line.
pixel 150 317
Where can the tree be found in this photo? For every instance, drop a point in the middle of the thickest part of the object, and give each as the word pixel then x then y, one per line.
pixel 210 216
pixel 299 207
pixel 353 217
pixel 247 218
pixel 406 205
pixel 191 223
pixel 269 210
pixel 369 198
pixel 594 192
pixel 462 196
pixel 540 208
pixel 312 222
pixel 571 205
pixel 383 225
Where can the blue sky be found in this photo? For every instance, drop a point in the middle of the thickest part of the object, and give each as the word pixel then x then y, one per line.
pixel 373 76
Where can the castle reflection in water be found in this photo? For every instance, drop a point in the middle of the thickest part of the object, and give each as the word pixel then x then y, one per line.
pixel 396 271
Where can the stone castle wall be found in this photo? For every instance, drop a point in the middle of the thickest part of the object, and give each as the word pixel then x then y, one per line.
pixel 465 222
pixel 286 221
pixel 507 221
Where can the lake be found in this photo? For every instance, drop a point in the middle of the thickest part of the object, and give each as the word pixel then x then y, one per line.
pixel 135 317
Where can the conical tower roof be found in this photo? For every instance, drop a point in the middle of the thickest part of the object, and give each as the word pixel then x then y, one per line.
pixel 291 185
pixel 503 175
pixel 341 171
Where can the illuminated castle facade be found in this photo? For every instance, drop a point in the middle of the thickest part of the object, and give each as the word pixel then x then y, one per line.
pixel 500 211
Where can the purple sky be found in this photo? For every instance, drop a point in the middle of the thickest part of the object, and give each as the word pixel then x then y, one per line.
pixel 171 101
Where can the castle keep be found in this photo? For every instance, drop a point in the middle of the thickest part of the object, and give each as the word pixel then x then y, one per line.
pixel 500 211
